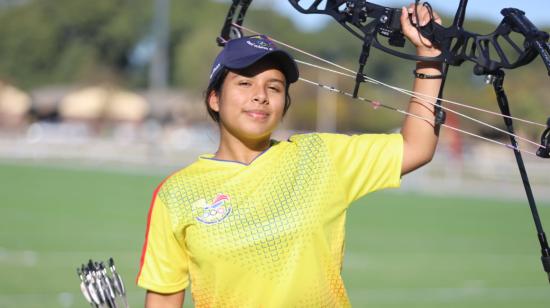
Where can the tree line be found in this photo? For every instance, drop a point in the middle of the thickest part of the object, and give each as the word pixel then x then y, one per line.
pixel 77 42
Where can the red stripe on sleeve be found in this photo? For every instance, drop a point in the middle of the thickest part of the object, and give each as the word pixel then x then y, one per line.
pixel 144 249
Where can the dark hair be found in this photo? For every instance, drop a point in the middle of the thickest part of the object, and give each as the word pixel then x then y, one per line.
pixel 216 87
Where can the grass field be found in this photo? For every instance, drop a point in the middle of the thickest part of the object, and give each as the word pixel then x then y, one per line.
pixel 402 250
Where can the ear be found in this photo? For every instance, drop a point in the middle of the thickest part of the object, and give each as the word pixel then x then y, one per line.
pixel 214 101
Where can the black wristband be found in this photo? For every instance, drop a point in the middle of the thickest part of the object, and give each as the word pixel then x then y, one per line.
pixel 426 76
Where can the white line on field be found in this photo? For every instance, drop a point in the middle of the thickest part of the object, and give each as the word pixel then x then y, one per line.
pixel 440 295
pixel 27 258
pixel 358 260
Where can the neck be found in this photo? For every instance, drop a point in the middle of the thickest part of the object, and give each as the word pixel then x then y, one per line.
pixel 240 149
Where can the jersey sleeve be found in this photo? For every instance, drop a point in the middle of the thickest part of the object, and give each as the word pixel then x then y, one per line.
pixel 164 261
pixel 366 163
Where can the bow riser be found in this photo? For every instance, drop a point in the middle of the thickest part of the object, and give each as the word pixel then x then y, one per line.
pixel 362 19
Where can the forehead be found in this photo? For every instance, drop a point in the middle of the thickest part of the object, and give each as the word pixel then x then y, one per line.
pixel 266 66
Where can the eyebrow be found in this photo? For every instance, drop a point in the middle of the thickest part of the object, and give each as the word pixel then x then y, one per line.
pixel 235 76
pixel 276 80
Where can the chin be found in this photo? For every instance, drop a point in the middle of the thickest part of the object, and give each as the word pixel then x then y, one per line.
pixel 258 133
pixel 251 130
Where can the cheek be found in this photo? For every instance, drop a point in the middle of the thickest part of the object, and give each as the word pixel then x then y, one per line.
pixel 281 102
pixel 225 111
pixel 228 102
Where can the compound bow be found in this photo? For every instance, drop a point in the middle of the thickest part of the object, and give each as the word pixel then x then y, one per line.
pixel 371 22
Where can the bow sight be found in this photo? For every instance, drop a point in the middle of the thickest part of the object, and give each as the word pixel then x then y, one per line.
pixel 490 53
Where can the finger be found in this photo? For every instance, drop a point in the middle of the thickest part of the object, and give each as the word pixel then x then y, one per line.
pixel 408 29
pixel 422 14
pixel 437 19
pixel 412 13
pixel 406 26
pixel 424 17
pixel 413 20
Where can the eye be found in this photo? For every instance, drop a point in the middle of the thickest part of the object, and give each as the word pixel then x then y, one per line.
pixel 244 83
pixel 274 88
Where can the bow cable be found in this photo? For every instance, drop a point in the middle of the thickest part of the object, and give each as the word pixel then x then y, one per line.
pixel 407 92
pixel 376 104
pixel 374 81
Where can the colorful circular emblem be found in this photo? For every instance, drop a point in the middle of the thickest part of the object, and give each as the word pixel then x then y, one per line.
pixel 215 212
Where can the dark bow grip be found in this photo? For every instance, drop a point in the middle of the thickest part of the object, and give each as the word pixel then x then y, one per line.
pixel 432 31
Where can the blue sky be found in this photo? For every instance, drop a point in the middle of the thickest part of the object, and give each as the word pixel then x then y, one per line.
pixel 538 11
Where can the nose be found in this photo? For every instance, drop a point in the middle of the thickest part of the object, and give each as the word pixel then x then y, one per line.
pixel 260 95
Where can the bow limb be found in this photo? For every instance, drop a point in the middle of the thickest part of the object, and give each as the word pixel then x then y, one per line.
pixel 236 14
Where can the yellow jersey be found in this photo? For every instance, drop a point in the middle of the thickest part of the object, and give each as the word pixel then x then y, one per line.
pixel 266 234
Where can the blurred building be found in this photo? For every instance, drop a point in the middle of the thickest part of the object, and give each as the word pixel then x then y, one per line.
pixel 99 103
pixel 14 107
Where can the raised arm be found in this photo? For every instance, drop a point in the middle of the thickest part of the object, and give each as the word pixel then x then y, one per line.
pixel 419 136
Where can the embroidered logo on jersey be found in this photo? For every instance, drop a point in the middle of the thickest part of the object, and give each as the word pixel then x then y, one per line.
pixel 212 213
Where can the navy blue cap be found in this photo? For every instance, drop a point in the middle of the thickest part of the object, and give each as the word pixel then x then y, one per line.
pixel 242 52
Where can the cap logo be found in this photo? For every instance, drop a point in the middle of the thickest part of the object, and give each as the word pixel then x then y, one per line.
pixel 260 45
pixel 217 67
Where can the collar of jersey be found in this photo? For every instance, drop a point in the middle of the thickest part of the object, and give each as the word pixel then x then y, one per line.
pixel 210 157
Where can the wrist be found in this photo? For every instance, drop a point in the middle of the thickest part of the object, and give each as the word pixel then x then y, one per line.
pixel 428 70
pixel 427 74
pixel 430 52
pixel 428 66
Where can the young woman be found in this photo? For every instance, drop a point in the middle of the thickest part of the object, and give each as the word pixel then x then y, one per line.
pixel 260 223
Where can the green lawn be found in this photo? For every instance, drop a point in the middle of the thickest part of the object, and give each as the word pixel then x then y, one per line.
pixel 402 250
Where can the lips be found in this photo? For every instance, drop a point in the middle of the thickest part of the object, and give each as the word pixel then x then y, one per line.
pixel 257 114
